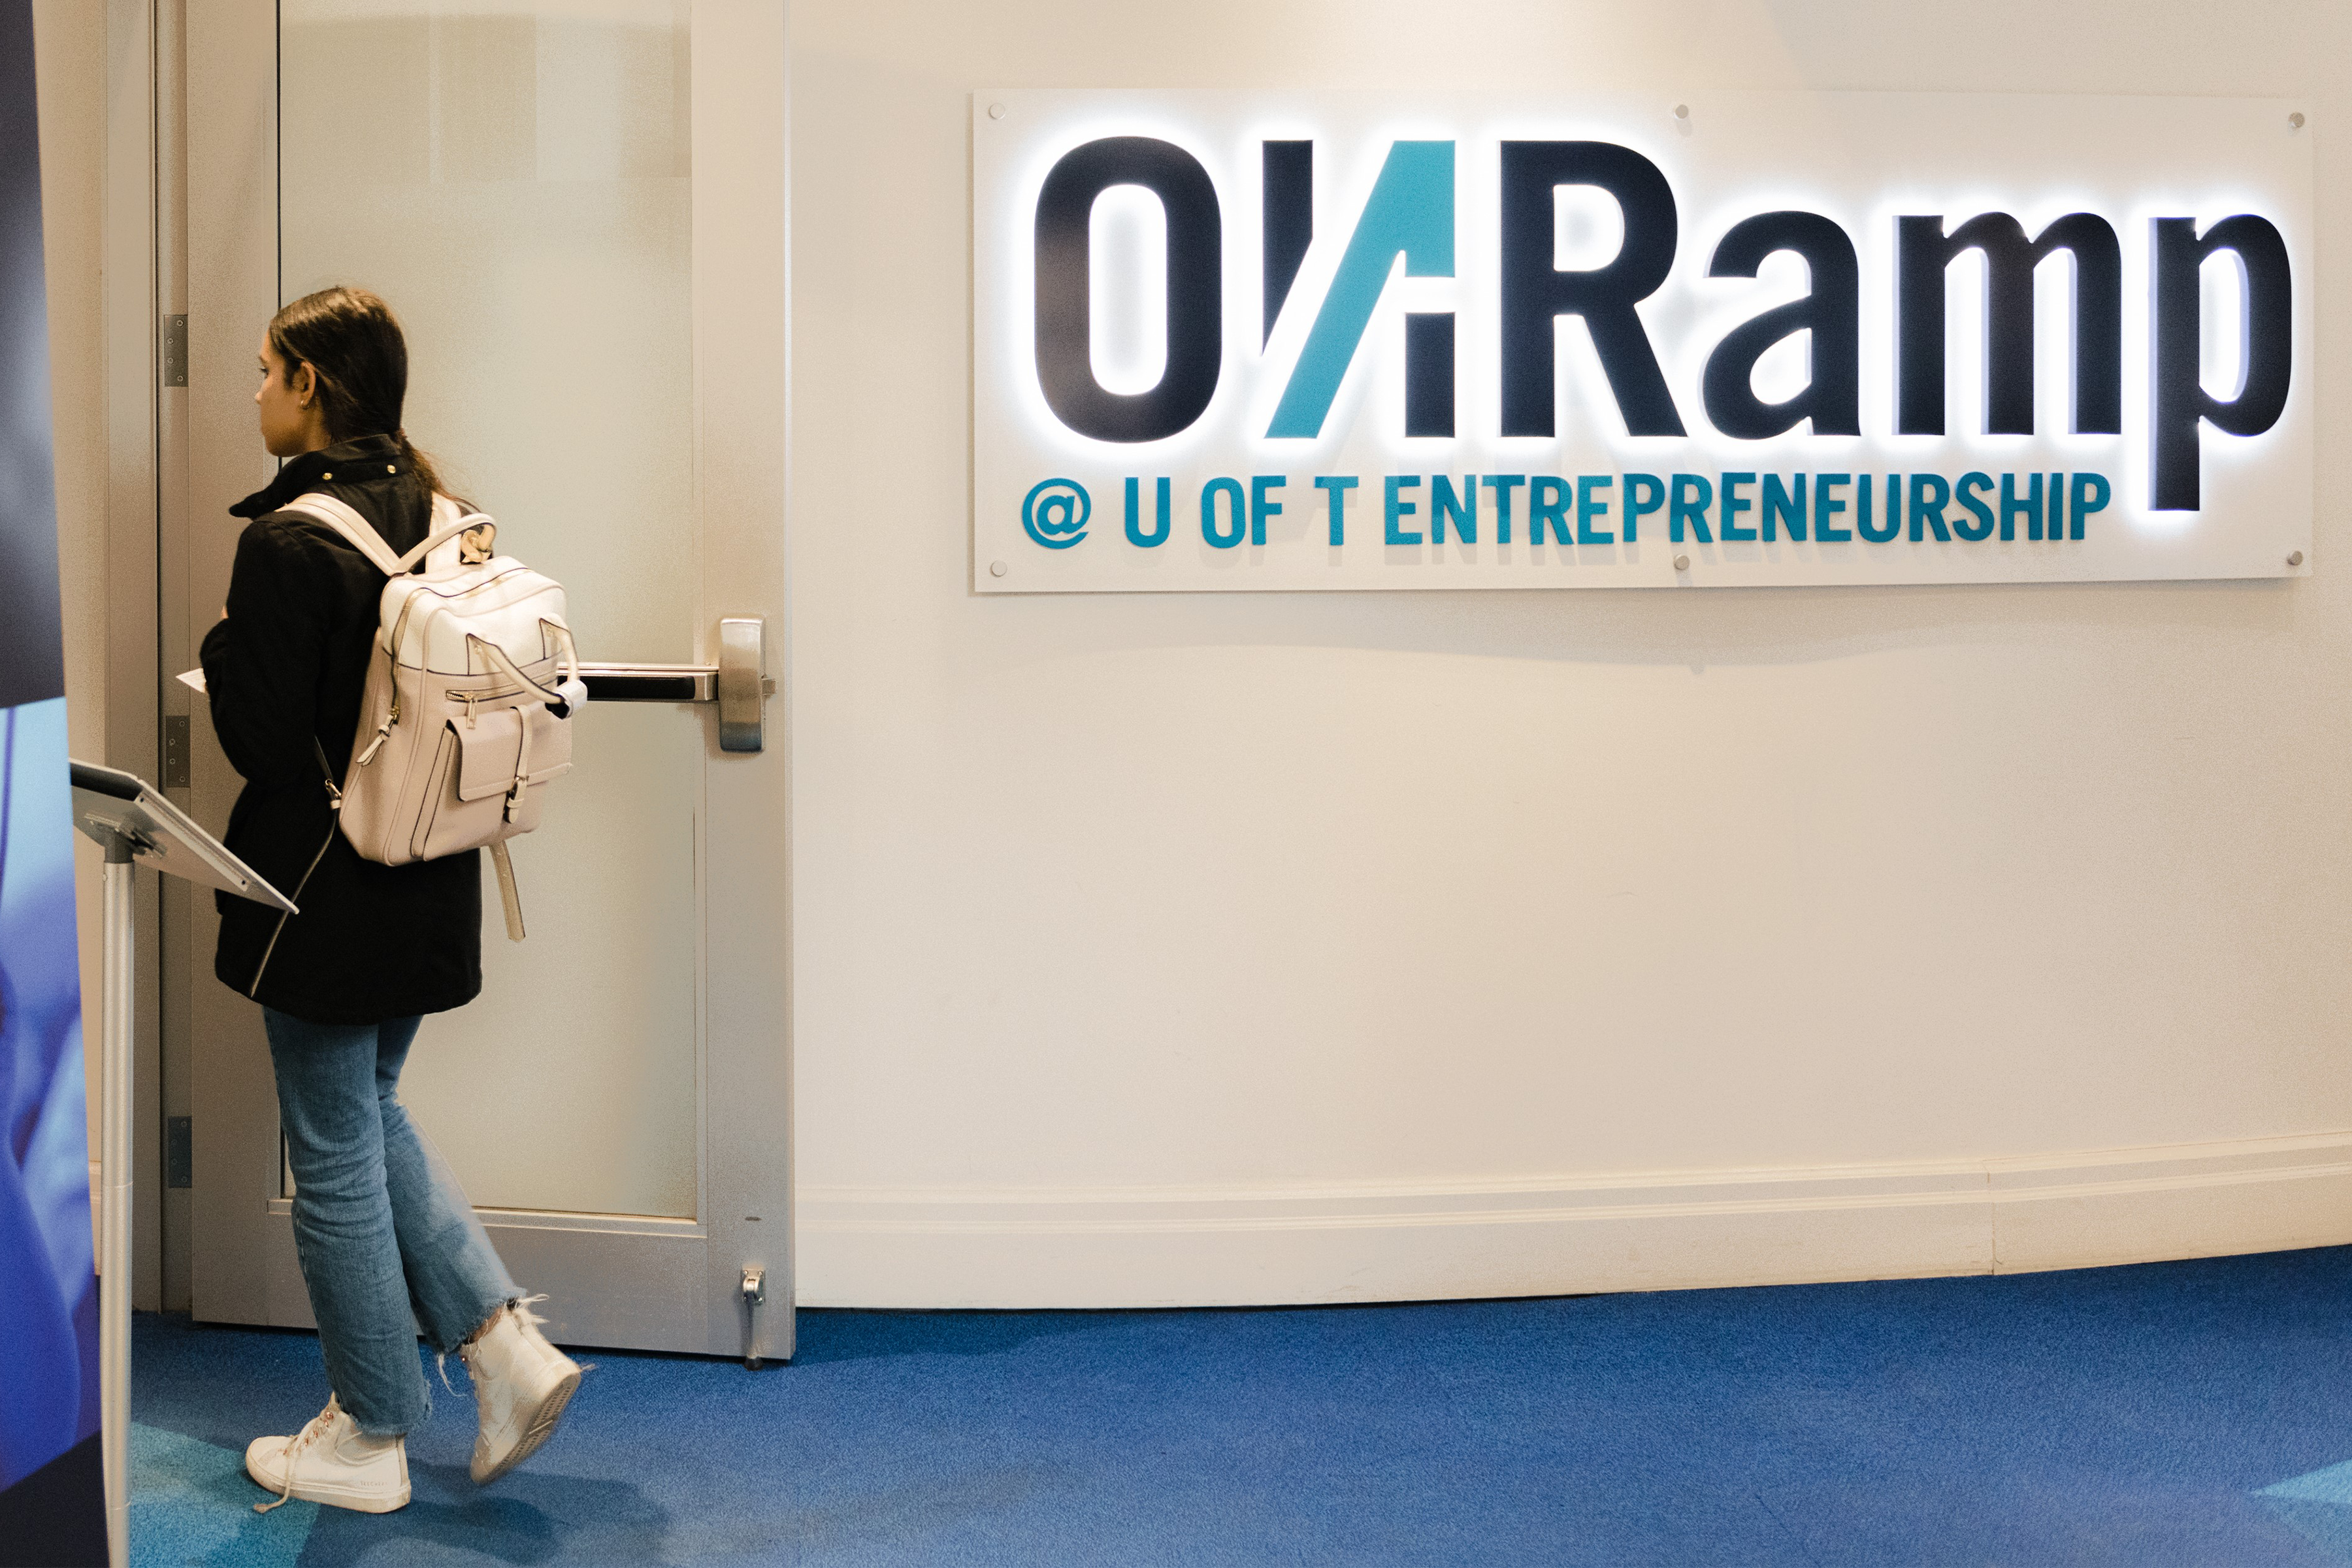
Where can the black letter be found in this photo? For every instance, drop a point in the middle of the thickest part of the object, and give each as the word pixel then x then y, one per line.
pixel 1286 206
pixel 1195 289
pixel 1429 372
pixel 1535 295
pixel 1924 252
pixel 2180 401
pixel 1832 313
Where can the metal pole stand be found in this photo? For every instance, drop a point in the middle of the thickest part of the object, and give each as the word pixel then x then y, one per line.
pixel 131 822
pixel 114 1209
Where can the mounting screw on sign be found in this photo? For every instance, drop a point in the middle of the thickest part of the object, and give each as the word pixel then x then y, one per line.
pixel 1054 512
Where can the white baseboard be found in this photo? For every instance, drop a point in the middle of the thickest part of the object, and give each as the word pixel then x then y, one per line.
pixel 1169 1247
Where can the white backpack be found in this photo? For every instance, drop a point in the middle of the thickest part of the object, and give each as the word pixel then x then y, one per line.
pixel 471 686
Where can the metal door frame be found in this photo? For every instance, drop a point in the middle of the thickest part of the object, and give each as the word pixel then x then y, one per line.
pixel 613 1280
pixel 135 249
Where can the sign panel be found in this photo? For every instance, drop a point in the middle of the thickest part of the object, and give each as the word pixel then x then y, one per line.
pixel 52 1502
pixel 1293 340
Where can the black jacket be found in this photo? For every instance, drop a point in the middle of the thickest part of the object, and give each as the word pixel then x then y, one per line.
pixel 285 671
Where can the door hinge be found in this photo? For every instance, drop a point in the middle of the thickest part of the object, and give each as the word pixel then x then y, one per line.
pixel 176 752
pixel 179 1155
pixel 175 350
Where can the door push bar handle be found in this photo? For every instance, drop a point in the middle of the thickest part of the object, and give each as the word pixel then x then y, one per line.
pixel 738 683
pixel 651 683
pixel 742 683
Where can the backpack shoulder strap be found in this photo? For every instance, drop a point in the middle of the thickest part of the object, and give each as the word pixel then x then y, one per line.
pixel 355 529
pixel 362 535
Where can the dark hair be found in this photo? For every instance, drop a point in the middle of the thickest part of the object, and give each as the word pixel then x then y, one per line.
pixel 352 343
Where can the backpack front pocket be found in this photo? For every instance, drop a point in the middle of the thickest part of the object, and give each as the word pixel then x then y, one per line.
pixel 503 756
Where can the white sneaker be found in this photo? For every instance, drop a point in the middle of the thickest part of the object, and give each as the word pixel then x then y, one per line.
pixel 331 1461
pixel 521 1384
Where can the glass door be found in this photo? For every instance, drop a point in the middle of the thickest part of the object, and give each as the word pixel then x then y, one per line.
pixel 585 248
pixel 519 187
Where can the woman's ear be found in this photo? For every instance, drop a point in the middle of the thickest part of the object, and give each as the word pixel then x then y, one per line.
pixel 305 383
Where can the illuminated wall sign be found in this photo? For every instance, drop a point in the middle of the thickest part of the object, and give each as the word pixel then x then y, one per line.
pixel 1353 340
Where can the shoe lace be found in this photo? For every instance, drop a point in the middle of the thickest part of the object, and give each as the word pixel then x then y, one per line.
pixel 316 1428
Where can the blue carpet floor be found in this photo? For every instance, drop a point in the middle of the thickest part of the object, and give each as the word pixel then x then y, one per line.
pixel 2168 1413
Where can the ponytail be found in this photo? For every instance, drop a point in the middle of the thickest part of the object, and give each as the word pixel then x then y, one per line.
pixel 358 359
pixel 419 461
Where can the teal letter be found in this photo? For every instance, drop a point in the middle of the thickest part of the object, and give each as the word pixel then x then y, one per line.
pixel 1135 534
pixel 1260 507
pixel 1587 507
pixel 2012 504
pixel 1983 513
pixel 1547 503
pixel 1893 510
pixel 2079 505
pixel 1502 485
pixel 1393 508
pixel 1337 487
pixel 1779 506
pixel 1826 506
pixel 1637 485
pixel 1410 212
pixel 1928 494
pixel 1733 505
pixel 1463 509
pixel 1237 510
pixel 1692 494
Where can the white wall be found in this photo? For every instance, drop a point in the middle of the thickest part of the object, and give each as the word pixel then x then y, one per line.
pixel 1269 947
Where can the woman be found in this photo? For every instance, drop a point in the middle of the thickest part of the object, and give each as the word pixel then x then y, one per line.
pixel 382 1225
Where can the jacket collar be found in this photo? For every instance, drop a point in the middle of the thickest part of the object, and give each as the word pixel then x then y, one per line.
pixel 311 469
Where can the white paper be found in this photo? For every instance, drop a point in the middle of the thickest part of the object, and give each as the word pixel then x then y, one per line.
pixel 194 679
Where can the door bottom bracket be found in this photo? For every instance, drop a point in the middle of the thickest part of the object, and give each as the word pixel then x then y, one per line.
pixel 755 1295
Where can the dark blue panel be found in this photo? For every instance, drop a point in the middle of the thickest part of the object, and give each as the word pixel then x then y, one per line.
pixel 32 660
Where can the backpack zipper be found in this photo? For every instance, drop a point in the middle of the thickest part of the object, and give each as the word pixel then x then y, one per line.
pixel 334 822
pixel 283 915
pixel 383 731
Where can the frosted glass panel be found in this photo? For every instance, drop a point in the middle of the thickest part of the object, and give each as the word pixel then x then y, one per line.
pixel 570 1082
pixel 515 181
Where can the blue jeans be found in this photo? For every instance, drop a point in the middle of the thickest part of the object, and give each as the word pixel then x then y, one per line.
pixel 382 1228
